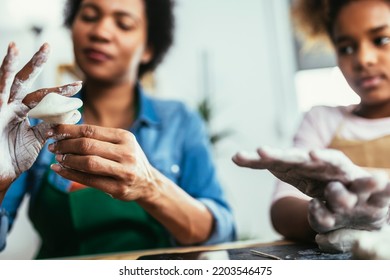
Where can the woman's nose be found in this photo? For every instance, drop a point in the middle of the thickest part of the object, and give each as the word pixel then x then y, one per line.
pixel 101 30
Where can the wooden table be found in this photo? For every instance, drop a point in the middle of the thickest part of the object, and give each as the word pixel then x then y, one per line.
pixel 241 250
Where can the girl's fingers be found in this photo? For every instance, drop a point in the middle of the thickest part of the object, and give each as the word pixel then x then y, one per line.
pixel 25 77
pixel 245 159
pixel 293 155
pixel 369 184
pixel 320 218
pixel 380 199
pixel 338 198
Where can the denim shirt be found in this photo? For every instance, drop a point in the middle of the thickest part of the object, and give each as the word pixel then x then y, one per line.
pixel 175 142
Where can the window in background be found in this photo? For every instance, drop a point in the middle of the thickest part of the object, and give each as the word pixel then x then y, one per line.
pixel 323 86
pixel 318 80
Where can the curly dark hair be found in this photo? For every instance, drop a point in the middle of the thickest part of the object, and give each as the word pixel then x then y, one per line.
pixel 161 24
pixel 315 18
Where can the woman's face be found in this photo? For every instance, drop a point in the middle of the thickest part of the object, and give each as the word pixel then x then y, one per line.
pixel 361 36
pixel 109 39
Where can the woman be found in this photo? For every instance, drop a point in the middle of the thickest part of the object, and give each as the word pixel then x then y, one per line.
pixel 346 196
pixel 146 162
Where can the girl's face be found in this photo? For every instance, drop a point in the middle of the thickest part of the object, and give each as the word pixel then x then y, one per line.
pixel 109 39
pixel 361 37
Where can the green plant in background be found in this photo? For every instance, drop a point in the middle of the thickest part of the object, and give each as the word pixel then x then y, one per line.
pixel 205 107
pixel 206 112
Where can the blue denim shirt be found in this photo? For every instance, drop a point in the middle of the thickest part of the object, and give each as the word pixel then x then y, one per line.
pixel 175 142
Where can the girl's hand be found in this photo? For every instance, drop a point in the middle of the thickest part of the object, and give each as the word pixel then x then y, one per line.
pixel 362 205
pixel 308 171
pixel 20 143
pixel 349 213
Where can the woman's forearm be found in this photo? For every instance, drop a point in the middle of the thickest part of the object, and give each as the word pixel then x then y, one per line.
pixel 187 219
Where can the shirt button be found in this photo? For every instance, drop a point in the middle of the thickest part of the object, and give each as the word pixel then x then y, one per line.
pixel 175 169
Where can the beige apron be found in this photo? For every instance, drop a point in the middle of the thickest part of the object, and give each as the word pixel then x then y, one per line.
pixel 371 154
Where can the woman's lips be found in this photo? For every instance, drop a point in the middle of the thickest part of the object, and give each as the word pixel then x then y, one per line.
pixel 96 55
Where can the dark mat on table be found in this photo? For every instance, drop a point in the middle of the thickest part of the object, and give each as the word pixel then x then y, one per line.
pixel 286 252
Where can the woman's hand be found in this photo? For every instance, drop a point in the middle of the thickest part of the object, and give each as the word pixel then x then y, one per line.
pixel 308 171
pixel 112 161
pixel 108 159
pixel 362 205
pixel 20 143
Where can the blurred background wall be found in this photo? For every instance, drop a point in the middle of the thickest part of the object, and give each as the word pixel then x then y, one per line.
pixel 240 55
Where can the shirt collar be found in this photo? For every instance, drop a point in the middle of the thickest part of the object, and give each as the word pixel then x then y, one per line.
pixel 146 112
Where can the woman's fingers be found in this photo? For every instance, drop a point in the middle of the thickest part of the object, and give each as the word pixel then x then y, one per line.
pixel 93 165
pixel 88 146
pixel 7 70
pixel 32 99
pixel 100 182
pixel 27 75
pixel 118 189
pixel 112 135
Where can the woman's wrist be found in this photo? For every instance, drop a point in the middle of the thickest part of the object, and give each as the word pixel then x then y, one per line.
pixel 153 190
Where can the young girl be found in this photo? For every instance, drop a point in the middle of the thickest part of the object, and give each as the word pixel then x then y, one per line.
pixel 138 173
pixel 345 195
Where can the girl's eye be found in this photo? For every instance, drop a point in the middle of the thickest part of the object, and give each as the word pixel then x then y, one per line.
pixel 346 50
pixel 382 41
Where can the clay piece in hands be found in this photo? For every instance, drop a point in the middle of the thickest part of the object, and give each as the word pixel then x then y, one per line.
pixel 57 109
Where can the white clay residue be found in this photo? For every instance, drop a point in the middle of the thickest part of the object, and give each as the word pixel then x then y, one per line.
pixel 55 108
pixel 21 87
pixel 374 245
pixel 9 69
pixel 338 241
pixel 12 61
pixel 7 170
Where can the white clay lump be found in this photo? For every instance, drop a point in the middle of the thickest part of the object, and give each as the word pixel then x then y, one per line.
pixel 58 109
pixel 338 241
pixel 373 245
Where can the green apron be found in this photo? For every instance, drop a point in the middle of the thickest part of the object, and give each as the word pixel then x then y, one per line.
pixel 88 221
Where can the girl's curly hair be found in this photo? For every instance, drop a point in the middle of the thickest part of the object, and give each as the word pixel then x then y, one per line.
pixel 314 19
